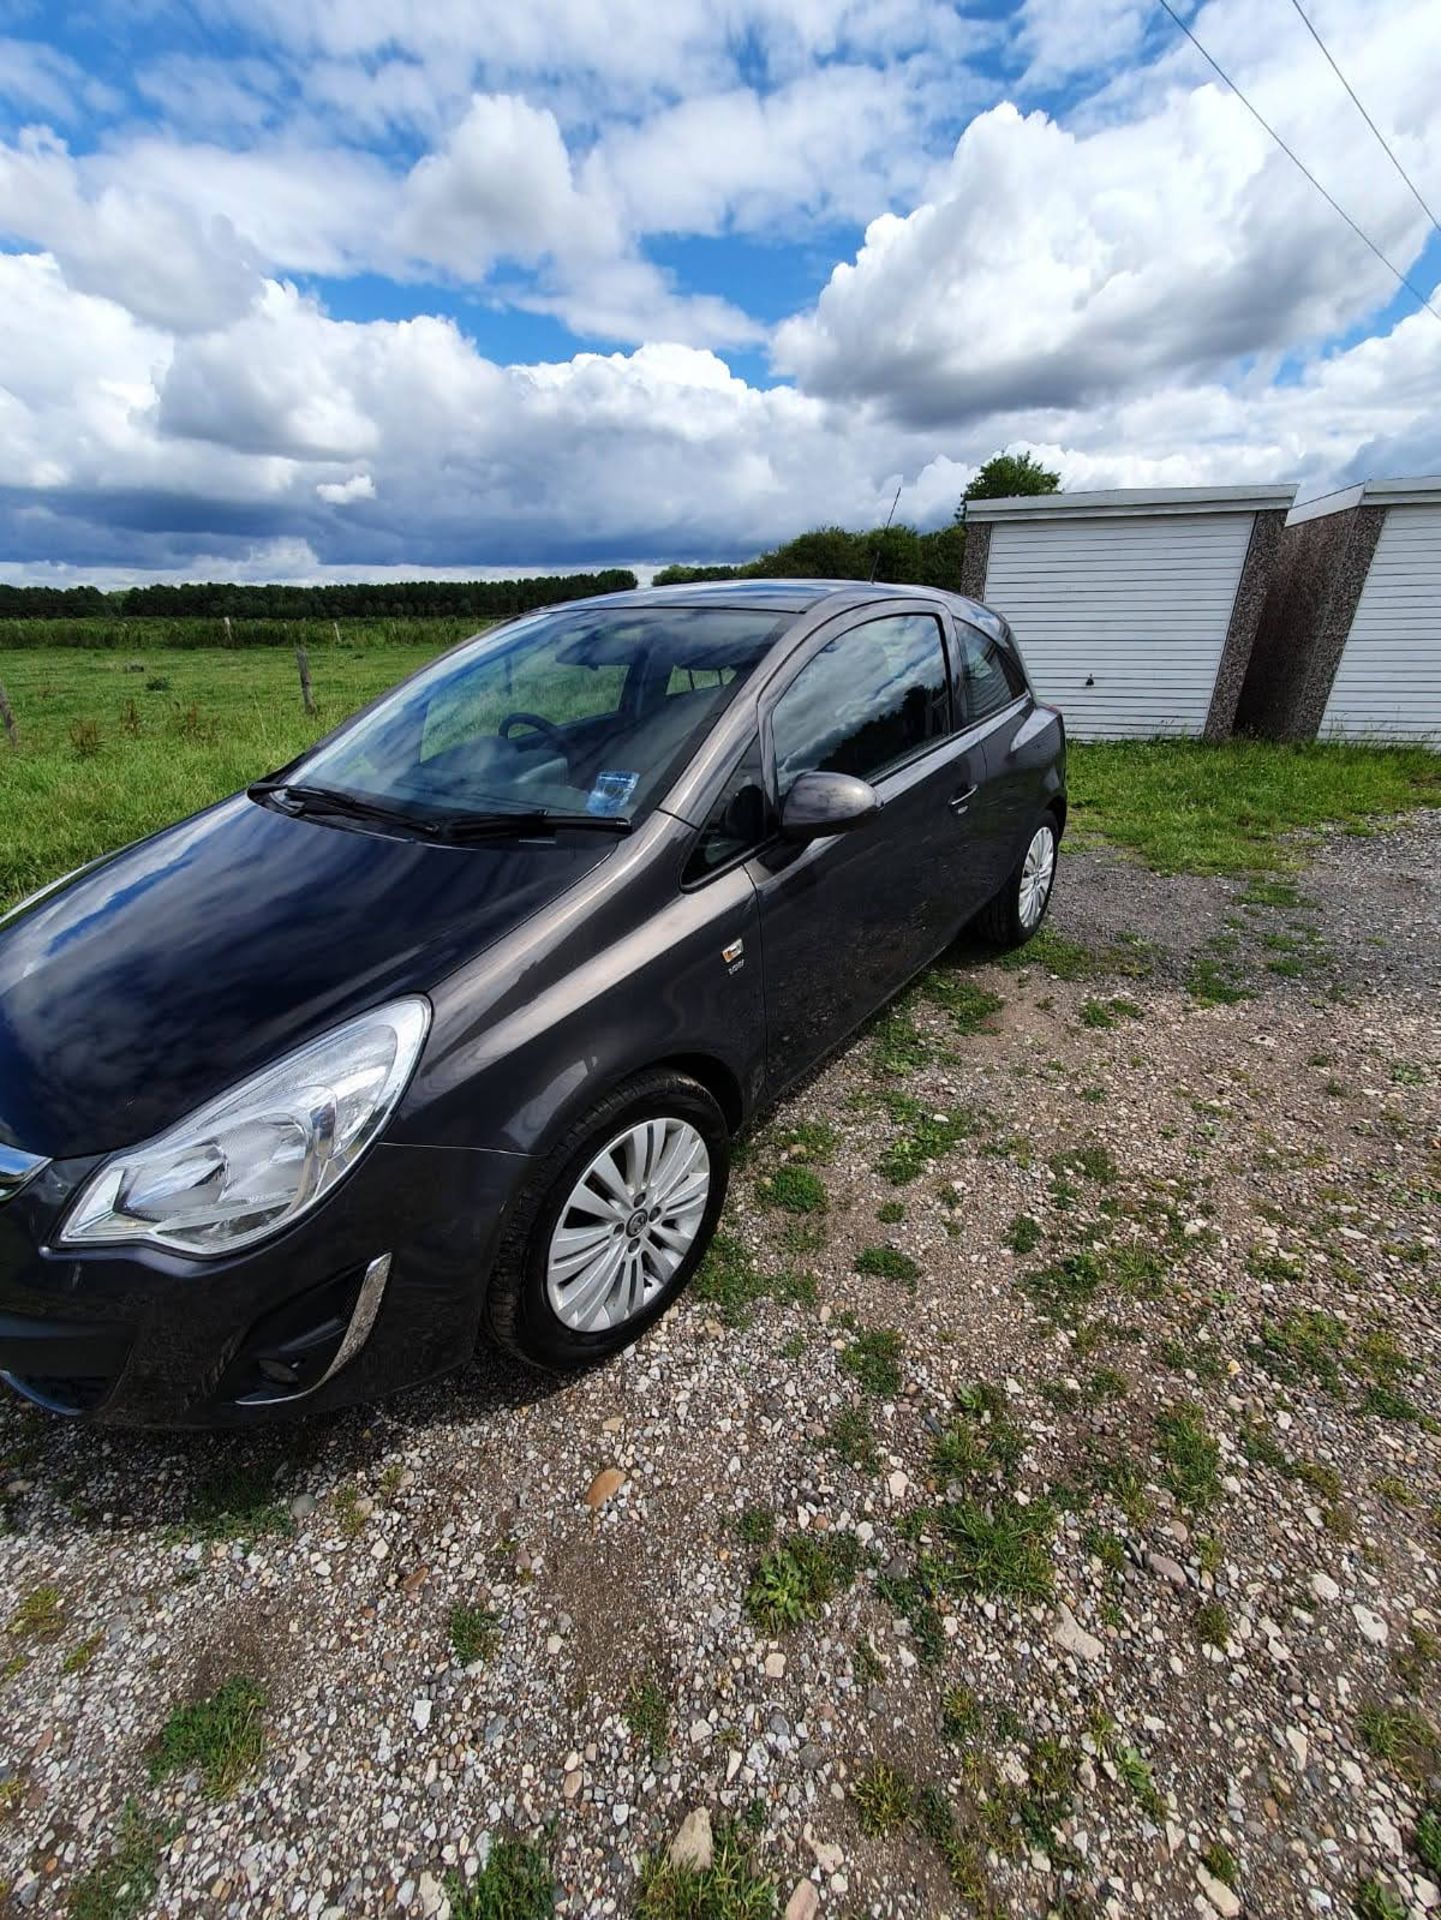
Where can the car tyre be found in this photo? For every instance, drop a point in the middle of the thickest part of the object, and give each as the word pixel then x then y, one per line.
pixel 1018 912
pixel 521 1313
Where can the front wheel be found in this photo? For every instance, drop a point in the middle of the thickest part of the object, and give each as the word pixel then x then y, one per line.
pixel 1016 913
pixel 615 1223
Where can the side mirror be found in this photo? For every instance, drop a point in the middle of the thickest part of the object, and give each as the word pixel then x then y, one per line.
pixel 822 803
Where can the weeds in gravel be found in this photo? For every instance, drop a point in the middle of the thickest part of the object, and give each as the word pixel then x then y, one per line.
pixel 1024 1234
pixel 39 1616
pixel 794 1189
pixel 122 1887
pixel 474 1633
pixel 912 1597
pixel 982 1440
pixel 964 1859
pixel 1427 1840
pixel 888 1263
pixel 884 1799
pixel 1212 980
pixel 971 1007
pixel 898 1047
pixel 997 1550
pixel 874 1357
pixel 794 1580
pixel 756 1526
pixel 1403 1737
pixel 1064 1289
pixel 891 1212
pixel 1135 1772
pixel 1219 1861
pixel 235 1501
pixel 926 1138
pixel 222 1737
pixel 730 1888
pixel 1213 1624
pixel 1057 955
pixel 850 1437
pixel 1191 1459
pixel 1375 1900
pixel 516 1883
pixel 79 1657
pixel 647 1713
pixel 730 1281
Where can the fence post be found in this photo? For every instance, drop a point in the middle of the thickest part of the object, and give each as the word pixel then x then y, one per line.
pixel 7 714
pixel 335 624
pixel 302 661
pixel 228 636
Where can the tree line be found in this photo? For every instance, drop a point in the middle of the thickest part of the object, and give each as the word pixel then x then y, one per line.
pixel 892 553
pixel 362 600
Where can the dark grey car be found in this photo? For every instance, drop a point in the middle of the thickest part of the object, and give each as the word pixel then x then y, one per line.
pixel 447 1027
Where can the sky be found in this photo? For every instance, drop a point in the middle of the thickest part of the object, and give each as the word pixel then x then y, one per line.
pixel 301 289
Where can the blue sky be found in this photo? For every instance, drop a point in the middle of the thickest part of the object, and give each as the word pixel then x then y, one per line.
pixel 297 287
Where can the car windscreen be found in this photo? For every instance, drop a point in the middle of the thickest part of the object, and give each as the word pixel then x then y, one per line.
pixel 589 710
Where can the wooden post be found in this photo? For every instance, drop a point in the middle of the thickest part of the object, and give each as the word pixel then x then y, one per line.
pixel 7 714
pixel 335 625
pixel 228 636
pixel 302 660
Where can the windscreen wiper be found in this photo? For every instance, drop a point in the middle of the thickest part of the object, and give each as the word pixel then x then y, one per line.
pixel 295 798
pixel 476 826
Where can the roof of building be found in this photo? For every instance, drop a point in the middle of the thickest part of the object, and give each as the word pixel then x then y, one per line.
pixel 1421 490
pixel 1117 502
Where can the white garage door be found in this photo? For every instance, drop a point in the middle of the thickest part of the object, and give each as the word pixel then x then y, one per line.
pixel 1389 679
pixel 1122 620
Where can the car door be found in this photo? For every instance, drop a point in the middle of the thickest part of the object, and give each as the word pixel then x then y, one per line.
pixel 995 706
pixel 847 919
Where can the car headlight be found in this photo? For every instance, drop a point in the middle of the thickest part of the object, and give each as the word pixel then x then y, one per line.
pixel 257 1158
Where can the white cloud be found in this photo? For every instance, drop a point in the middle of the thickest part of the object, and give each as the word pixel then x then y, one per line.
pixel 340 493
pixel 1049 267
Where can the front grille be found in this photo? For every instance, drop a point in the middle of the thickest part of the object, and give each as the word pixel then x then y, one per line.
pixel 17 1170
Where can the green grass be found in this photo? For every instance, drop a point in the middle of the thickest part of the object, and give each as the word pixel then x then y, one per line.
pixel 1186 807
pixel 794 1190
pixel 996 1551
pixel 874 1357
pixel 122 1887
pixel 730 1281
pixel 887 1263
pixel 756 1526
pixel 107 756
pixel 474 1633
pixel 795 1579
pixel 38 1616
pixel 1375 1900
pixel 850 1437
pixel 730 1888
pixel 1135 1772
pixel 884 1799
pixel 1403 1737
pixel 647 1714
pixel 236 1501
pixel 1191 1459
pixel 516 1883
pixel 221 1736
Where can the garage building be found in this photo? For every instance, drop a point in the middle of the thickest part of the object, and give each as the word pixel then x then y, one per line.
pixel 1135 609
pixel 1349 645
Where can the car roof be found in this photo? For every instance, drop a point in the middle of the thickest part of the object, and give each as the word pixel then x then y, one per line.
pixel 794 596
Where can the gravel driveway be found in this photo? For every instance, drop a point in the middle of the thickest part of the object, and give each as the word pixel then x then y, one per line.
pixel 1033 1508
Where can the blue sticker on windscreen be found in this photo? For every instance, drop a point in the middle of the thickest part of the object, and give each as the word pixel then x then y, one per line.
pixel 611 791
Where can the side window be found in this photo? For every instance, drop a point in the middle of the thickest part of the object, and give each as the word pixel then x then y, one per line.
pixel 737 822
pixel 867 700
pixel 990 678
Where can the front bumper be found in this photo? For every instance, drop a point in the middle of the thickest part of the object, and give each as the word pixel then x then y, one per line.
pixel 379 1288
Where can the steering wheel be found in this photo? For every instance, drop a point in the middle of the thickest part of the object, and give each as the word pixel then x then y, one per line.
pixel 541 725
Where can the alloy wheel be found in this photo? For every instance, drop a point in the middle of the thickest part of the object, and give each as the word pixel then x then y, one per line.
pixel 1037 872
pixel 630 1220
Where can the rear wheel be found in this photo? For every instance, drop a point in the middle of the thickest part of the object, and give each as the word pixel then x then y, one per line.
pixel 614 1225
pixel 1016 913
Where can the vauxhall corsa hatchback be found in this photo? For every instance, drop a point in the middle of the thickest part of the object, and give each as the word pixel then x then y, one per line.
pixel 446 1028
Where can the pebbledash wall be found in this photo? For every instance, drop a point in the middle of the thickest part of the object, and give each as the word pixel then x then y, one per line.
pixel 1349 645
pixel 1136 610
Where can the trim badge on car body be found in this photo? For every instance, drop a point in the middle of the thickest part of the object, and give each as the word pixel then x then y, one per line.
pixel 734 955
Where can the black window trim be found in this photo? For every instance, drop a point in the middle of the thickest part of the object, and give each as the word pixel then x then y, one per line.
pixel 776 688
pixel 958 696
pixel 692 883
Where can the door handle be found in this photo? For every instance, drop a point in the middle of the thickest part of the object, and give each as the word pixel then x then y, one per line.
pixel 958 802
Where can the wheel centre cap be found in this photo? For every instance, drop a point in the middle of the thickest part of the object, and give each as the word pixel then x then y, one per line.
pixel 637 1223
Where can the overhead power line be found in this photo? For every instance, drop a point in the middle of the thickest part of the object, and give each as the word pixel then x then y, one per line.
pixel 1385 144
pixel 1301 166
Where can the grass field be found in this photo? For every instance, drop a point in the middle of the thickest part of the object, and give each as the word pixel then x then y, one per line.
pixel 115 743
